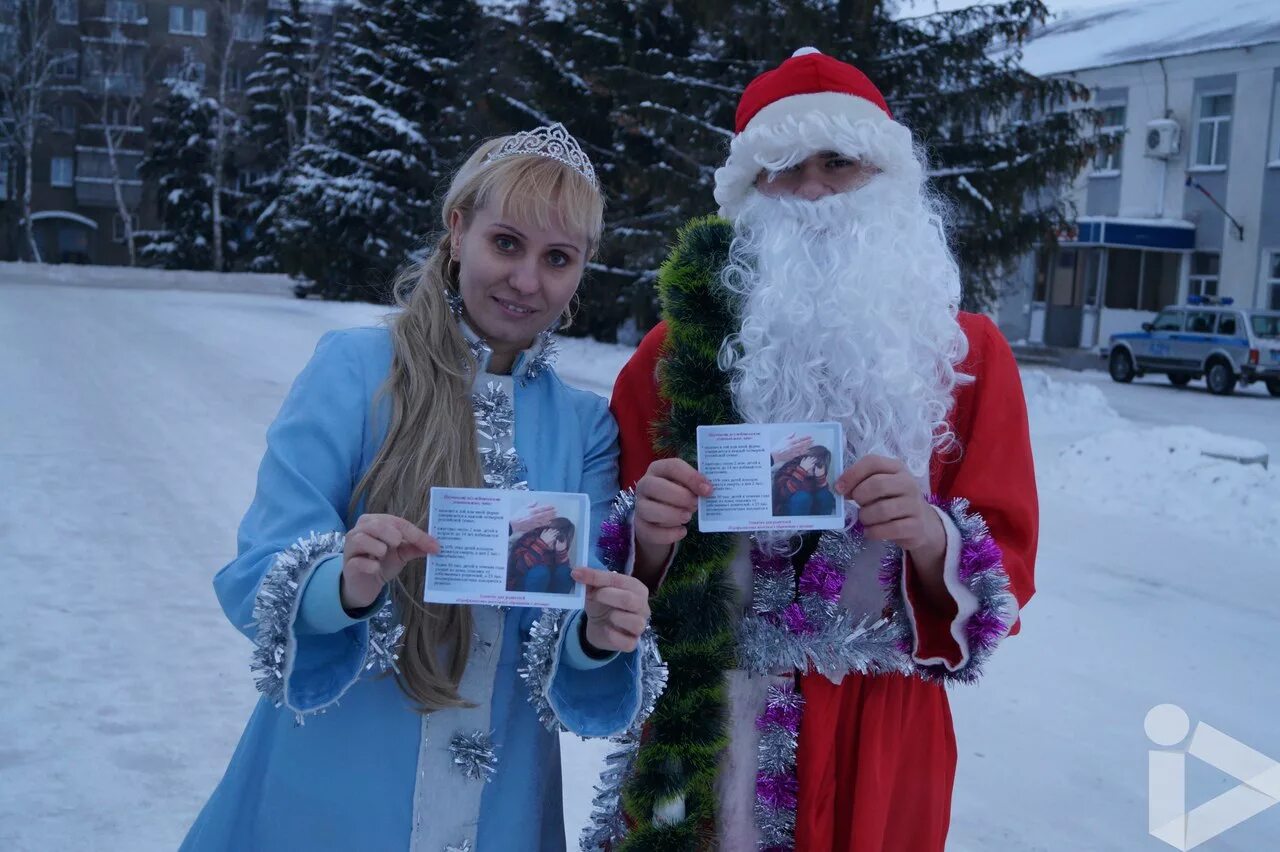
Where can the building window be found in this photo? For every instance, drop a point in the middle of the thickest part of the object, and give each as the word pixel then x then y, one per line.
pixel 1204 274
pixel 124 11
pixel 1124 278
pixel 236 78
pixel 1159 280
pixel 1107 161
pixel 247 26
pixel 66 11
pixel 66 65
pixel 186 20
pixel 64 117
pixel 1273 280
pixel 1141 280
pixel 117 226
pixel 1275 125
pixel 1213 130
pixel 61 171
pixel 4 176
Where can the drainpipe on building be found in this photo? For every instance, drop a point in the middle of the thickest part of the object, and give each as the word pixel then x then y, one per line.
pixel 1164 162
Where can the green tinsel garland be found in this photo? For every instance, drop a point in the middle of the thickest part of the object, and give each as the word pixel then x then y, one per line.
pixel 692 612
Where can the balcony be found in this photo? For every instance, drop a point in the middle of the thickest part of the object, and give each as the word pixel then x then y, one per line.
pixel 98 192
pixel 120 85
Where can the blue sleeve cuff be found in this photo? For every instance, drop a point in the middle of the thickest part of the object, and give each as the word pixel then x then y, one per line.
pixel 574 654
pixel 321 611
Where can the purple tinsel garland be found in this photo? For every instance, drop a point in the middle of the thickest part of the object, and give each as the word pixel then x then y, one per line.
pixel 816 594
pixel 981 569
pixel 615 532
pixel 777 787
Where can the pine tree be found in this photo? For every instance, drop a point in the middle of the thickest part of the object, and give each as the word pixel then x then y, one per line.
pixel 592 66
pixel 662 78
pixel 284 114
pixel 362 197
pixel 179 162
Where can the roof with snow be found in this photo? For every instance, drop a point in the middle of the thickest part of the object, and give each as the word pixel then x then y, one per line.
pixel 1150 29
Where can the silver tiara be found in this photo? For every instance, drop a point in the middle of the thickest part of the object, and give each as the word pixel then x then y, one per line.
pixel 553 142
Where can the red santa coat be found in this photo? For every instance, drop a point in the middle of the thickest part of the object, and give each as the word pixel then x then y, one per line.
pixel 877 754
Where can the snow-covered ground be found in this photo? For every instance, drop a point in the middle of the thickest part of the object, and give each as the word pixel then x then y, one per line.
pixel 130 430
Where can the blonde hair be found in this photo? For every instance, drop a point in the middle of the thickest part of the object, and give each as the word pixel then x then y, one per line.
pixel 431 436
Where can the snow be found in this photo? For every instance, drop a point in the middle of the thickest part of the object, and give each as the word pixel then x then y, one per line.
pixel 1119 33
pixel 1093 33
pixel 133 425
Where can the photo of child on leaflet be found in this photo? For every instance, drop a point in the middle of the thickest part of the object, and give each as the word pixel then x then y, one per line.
pixel 539 555
pixel 800 470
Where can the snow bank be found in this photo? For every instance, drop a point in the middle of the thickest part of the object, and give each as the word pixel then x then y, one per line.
pixel 1055 406
pixel 1163 471
pixel 143 278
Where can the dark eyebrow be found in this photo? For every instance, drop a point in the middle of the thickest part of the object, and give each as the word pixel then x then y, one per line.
pixel 513 230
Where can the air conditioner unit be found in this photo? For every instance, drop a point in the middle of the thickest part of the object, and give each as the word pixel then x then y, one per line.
pixel 1163 138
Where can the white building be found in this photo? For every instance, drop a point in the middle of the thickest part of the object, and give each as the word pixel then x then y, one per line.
pixel 1190 203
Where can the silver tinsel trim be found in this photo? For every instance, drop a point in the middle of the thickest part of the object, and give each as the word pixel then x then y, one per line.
pixel 495 421
pixel 777 751
pixel 837 644
pixel 772 592
pixel 607 823
pixel 653 677
pixel 473 754
pixel 545 355
pixel 385 634
pixel 454 300
pixel 539 657
pixel 275 605
pixel 840 646
pixel 544 346
pixel 494 413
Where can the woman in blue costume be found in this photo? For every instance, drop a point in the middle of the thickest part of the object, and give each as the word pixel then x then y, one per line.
pixel 431 727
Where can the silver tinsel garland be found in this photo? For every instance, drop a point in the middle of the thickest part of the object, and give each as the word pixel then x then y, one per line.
pixel 464 846
pixel 495 421
pixel 982 572
pixel 606 821
pixel 607 824
pixel 836 644
pixel 275 607
pixel 473 754
pixel 539 657
pixel 544 346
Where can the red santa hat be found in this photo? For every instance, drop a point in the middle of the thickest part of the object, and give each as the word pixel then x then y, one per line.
pixel 801 104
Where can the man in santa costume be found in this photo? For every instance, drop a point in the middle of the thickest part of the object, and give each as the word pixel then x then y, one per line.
pixel 806 705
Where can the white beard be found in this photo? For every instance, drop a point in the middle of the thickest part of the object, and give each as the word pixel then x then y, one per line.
pixel 848 314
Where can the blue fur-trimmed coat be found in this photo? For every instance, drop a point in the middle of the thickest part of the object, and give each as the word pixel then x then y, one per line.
pixel 369 773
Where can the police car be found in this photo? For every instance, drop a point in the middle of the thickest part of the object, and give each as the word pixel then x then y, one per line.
pixel 1207 338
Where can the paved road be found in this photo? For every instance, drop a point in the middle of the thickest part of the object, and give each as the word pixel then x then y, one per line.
pixel 1248 413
